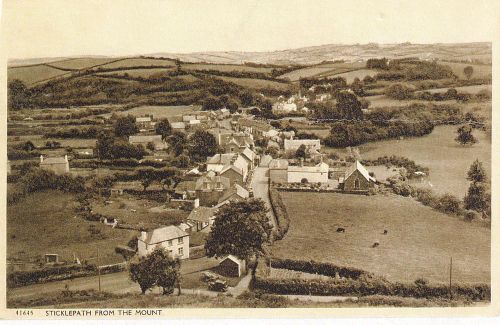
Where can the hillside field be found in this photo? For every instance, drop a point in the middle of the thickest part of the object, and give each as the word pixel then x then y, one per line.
pixel 419 243
pixel 323 70
pixel 162 111
pixel 33 74
pixel 45 222
pixel 480 70
pixel 81 63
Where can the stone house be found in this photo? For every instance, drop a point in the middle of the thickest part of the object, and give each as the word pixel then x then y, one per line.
pixel 357 178
pixel 172 238
pixel 59 165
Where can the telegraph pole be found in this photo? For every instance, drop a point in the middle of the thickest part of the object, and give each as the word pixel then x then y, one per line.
pixel 451 264
pixel 98 269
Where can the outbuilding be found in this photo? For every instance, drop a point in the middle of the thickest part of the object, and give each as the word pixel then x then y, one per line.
pixel 232 266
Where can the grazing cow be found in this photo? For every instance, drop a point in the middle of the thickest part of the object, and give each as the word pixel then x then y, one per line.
pixel 385 231
pixel 375 244
pixel 340 229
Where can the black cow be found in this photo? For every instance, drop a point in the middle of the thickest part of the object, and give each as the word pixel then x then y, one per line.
pixel 340 229
pixel 385 232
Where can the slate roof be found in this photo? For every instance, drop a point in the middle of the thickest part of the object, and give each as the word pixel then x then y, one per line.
pixel 202 214
pixel 162 234
pixel 221 158
pixel 358 166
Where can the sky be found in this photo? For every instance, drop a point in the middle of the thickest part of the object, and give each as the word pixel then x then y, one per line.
pixel 53 28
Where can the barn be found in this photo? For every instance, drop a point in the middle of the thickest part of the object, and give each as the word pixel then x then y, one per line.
pixel 357 179
pixel 231 266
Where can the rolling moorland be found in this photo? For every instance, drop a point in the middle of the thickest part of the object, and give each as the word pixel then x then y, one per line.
pixel 409 106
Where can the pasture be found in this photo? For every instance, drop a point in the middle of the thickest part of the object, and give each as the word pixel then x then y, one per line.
pixel 138 62
pixel 466 89
pixel 45 222
pixel 448 161
pixel 419 243
pixel 256 83
pixel 323 70
pixel 480 70
pixel 351 75
pixel 30 75
pixel 225 67
pixel 81 63
pixel 135 73
pixel 162 111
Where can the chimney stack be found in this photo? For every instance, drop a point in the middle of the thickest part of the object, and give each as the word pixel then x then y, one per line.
pixel 66 158
pixel 301 162
pixel 41 158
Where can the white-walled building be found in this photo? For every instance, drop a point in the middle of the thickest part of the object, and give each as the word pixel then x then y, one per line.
pixel 172 238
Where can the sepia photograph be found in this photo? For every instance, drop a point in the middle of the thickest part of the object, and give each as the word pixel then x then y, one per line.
pixel 171 155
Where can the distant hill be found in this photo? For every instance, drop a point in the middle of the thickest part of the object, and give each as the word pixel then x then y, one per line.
pixel 480 52
pixel 318 54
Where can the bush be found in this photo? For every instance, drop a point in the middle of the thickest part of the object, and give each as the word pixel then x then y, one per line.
pixel 24 278
pixel 471 215
pixel 448 204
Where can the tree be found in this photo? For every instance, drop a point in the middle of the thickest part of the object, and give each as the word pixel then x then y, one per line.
pixel 177 142
pixel 232 106
pixel 468 71
pixel 163 128
pixel 147 176
pixel 104 145
pixel 125 126
pixel 212 104
pixel 156 269
pixel 240 229
pixel 399 91
pixel 465 135
pixel 476 198
pixel 301 152
pixel 246 99
pixel 476 172
pixel 202 144
pixel 349 106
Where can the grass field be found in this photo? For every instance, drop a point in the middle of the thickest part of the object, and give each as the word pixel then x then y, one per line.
pixel 447 160
pixel 467 89
pixel 419 243
pixel 225 67
pixel 138 62
pixel 162 111
pixel 33 74
pixel 256 83
pixel 45 222
pixel 81 63
pixel 351 75
pixel 144 73
pixel 480 70
pixel 323 70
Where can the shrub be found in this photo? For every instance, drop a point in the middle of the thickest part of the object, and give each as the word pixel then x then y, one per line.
pixel 448 204
pixel 23 278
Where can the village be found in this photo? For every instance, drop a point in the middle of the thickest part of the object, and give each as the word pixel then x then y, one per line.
pixel 314 193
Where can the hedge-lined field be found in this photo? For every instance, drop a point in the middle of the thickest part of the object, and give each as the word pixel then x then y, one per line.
pixel 419 242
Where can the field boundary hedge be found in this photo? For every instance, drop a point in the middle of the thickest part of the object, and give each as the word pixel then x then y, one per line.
pixel 279 210
pixel 328 269
pixel 366 287
pixel 25 278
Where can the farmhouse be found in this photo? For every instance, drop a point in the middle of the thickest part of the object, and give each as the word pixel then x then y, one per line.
pixel 144 123
pixel 310 144
pixel 231 266
pixel 201 218
pixel 357 178
pixel 311 174
pixel 210 188
pixel 278 171
pixel 172 238
pixel 218 161
pixel 143 140
pixel 58 165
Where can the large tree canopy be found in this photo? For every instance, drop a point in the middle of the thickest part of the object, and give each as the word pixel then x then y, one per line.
pixel 240 229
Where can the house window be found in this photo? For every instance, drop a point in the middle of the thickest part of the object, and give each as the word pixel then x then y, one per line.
pixel 169 243
pixel 181 251
pixel 356 184
pixel 181 240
